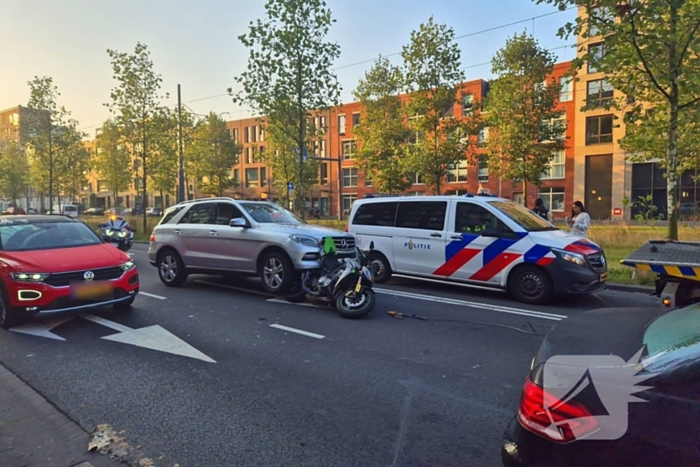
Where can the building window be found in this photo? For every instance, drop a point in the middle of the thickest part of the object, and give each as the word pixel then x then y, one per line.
pixel 553 198
pixel 368 181
pixel 251 177
pixel 467 104
pixel 237 176
pixel 599 129
pixel 355 119
pixel 350 177
pixel 323 176
pixel 235 135
pixel 567 89
pixel 597 14
pixel 246 135
pixel 557 167
pixel 555 126
pixel 417 179
pixel 102 185
pixel 349 149
pixel 595 53
pixel 457 174
pixel 254 133
pixel 248 156
pixel 599 93
pixel 14 119
pixel 483 167
pixel 323 124
pixel 263 176
pixel 323 148
pixel 341 124
pixel 262 134
pixel 483 138
pixel 347 202
pixel 416 135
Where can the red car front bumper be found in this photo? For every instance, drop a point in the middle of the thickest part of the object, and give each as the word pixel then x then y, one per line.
pixel 56 294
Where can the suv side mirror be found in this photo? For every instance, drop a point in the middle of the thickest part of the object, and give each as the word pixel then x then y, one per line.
pixel 238 222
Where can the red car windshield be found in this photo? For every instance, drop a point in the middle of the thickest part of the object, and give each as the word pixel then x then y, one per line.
pixel 23 235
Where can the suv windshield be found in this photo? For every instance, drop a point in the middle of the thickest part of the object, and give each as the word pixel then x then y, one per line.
pixel 267 213
pixel 21 235
pixel 522 216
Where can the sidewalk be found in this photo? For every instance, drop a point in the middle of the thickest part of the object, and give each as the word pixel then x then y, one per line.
pixel 33 433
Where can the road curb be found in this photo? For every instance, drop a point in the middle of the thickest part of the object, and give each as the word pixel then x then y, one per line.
pixel 630 288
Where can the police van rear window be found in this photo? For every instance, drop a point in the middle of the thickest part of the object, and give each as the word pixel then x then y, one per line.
pixel 376 214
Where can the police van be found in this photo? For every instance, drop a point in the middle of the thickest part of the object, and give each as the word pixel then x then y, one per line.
pixel 476 240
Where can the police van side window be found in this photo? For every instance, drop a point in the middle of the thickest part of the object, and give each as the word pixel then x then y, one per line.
pixel 424 215
pixel 474 219
pixel 376 214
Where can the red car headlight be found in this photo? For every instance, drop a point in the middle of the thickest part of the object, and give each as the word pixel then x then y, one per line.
pixel 29 276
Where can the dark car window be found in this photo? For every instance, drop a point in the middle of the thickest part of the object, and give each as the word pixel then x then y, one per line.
pixel 225 212
pixel 424 215
pixel 202 213
pixel 45 235
pixel 673 330
pixel 383 214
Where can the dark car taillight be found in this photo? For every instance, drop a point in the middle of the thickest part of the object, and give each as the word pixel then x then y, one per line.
pixel 545 415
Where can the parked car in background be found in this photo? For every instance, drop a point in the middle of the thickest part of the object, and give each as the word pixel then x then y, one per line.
pixel 154 212
pixel 219 235
pixel 65 210
pixel 55 264
pixel 31 211
pixel 94 212
pixel 14 211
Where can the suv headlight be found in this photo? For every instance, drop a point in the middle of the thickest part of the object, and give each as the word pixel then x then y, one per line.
pixel 29 276
pixel 570 257
pixel 305 240
pixel 127 266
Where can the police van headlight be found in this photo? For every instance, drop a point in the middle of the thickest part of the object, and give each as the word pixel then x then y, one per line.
pixel 570 257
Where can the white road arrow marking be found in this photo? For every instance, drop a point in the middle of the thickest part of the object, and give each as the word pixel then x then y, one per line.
pixel 151 337
pixel 159 297
pixel 42 328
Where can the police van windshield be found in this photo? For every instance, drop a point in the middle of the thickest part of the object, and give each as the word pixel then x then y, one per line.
pixel 522 216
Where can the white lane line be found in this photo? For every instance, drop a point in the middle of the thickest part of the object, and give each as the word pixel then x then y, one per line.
pixel 281 300
pixel 297 331
pixel 107 323
pixel 464 303
pixel 231 287
pixel 153 295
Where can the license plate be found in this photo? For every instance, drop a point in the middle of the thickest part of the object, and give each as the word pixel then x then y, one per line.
pixel 92 291
pixel 604 277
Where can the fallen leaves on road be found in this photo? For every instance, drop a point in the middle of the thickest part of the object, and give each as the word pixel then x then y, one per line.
pixel 106 441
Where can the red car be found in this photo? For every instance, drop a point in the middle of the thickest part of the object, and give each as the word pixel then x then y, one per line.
pixel 56 264
pixel 14 211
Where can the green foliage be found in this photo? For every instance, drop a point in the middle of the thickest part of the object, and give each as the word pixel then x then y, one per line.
pixel 647 209
pixel 136 105
pixel 213 155
pixel 112 159
pixel 382 135
pixel 52 139
pixel 284 162
pixel 523 135
pixel 288 69
pixel 78 162
pixel 652 54
pixel 13 171
pixel 164 158
pixel 432 70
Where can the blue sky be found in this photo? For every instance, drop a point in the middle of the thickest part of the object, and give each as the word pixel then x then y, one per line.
pixel 195 43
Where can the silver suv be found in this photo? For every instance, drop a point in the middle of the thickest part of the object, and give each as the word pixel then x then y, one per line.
pixel 220 235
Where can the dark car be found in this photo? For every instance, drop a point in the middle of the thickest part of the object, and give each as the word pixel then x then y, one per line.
pixel 94 212
pixel 662 426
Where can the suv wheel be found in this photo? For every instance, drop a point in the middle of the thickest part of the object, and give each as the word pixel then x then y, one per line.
pixel 277 273
pixel 171 269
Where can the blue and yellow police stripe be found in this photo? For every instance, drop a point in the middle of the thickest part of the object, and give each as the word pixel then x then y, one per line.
pixel 685 272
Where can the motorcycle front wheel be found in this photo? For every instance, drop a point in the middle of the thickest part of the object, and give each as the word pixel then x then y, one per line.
pixel 357 306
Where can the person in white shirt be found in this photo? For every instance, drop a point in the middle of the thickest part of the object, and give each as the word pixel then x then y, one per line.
pixel 580 220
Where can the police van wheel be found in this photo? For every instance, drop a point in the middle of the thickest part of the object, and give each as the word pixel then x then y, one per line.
pixel 381 268
pixel 530 284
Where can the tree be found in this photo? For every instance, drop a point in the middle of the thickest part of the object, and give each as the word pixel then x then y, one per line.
pixel 284 162
pixel 433 78
pixel 13 174
pixel 524 131
pixel 288 70
pixel 113 161
pixel 652 53
pixel 382 135
pixel 50 132
pixel 164 157
pixel 214 153
pixel 78 162
pixel 136 103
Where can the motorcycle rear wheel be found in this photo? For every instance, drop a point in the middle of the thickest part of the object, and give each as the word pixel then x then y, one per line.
pixel 356 307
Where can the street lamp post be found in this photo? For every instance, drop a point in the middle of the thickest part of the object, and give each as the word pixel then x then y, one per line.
pixel 181 170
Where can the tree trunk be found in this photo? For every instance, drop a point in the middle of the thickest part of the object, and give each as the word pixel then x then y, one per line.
pixel 525 193
pixel 144 201
pixel 672 172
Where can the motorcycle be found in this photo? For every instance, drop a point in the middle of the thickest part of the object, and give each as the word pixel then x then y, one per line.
pixel 116 231
pixel 345 283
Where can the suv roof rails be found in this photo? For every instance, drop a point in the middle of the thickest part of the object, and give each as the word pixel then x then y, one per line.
pixel 200 200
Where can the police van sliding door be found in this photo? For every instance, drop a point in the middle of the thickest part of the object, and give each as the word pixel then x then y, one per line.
pixel 420 236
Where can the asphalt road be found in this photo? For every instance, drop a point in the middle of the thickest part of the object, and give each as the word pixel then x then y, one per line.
pixel 379 391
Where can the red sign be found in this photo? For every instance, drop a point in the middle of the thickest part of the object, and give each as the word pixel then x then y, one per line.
pixel 617 211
